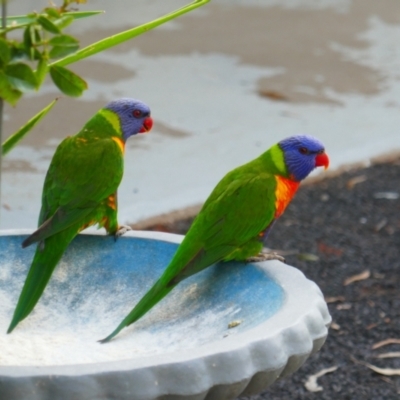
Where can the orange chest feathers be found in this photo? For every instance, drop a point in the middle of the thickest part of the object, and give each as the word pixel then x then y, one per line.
pixel 284 192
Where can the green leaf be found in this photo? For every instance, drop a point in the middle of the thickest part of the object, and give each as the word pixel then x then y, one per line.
pixel 64 21
pixel 307 257
pixel 35 34
pixel 7 92
pixel 17 136
pixel 83 14
pixel 27 37
pixel 18 52
pixel 63 45
pixel 126 35
pixel 41 72
pixel 52 12
pixel 21 76
pixel 5 53
pixel 18 21
pixel 67 81
pixel 63 41
pixel 31 38
pixel 47 24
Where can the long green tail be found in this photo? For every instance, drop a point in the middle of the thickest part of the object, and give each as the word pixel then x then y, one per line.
pixel 43 265
pixel 149 300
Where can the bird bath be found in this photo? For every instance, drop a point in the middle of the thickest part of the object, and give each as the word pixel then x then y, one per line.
pixel 182 349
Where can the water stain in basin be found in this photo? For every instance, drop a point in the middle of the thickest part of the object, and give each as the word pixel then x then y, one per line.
pixel 300 40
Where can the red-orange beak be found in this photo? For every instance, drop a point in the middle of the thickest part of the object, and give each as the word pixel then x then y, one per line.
pixel 147 125
pixel 322 160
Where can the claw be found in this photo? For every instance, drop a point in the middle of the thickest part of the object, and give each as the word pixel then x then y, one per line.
pixel 121 231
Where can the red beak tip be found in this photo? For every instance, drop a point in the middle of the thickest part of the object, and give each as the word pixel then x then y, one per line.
pixel 322 160
pixel 147 125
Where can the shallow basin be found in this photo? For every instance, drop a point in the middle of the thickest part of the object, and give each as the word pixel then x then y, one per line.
pixel 230 330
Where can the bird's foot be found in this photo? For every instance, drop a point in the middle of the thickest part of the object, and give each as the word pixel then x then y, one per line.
pixel 263 256
pixel 122 229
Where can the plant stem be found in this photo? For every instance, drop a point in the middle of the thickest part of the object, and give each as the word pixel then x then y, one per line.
pixel 3 26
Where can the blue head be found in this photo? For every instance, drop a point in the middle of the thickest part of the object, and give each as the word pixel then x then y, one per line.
pixel 133 114
pixel 302 154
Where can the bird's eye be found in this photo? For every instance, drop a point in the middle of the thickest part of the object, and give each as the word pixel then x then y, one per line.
pixel 137 113
pixel 303 150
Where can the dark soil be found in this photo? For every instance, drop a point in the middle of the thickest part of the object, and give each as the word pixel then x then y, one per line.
pixel 334 229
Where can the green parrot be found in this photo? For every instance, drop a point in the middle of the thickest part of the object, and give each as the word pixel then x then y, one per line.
pixel 80 190
pixel 236 218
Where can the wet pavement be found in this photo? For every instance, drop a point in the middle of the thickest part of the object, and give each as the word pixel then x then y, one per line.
pixel 224 83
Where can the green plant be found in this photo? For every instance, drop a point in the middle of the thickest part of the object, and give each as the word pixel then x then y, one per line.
pixel 44 41
pixel 44 49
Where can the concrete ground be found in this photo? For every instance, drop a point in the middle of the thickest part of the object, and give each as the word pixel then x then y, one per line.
pixel 224 83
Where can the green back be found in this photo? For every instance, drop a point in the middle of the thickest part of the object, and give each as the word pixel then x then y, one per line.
pixel 85 170
pixel 240 207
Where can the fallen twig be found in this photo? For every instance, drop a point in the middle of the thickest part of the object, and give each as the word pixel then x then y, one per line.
pixel 343 306
pixel 312 385
pixel 334 299
pixel 381 224
pixel 359 277
pixel 335 326
pixel 378 370
pixel 355 181
pixel 393 354
pixel 385 343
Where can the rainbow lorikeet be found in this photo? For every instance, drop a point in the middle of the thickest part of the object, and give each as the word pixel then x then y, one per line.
pixel 80 190
pixel 237 216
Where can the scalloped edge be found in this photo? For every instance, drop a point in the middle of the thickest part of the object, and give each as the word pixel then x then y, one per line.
pixel 242 364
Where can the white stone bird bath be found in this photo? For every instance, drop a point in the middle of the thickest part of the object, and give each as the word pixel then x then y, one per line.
pixel 182 349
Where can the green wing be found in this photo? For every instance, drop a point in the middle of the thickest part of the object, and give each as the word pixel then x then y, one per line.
pixel 81 175
pixel 241 206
